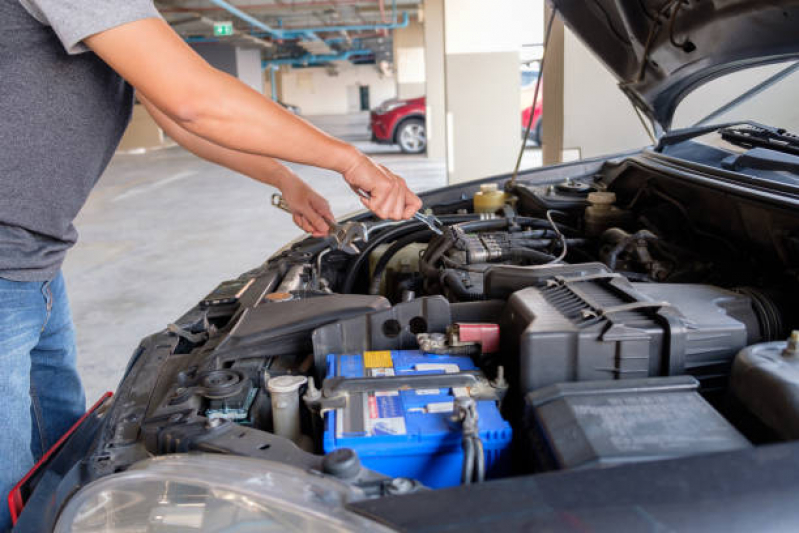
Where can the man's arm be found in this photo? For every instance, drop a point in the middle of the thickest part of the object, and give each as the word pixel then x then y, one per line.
pixel 219 108
pixel 311 212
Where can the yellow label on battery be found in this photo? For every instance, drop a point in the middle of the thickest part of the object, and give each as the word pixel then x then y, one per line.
pixel 381 359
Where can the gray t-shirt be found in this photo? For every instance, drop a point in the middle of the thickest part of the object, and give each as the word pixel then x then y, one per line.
pixel 63 114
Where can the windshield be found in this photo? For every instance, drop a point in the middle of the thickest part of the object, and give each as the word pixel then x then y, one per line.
pixel 765 94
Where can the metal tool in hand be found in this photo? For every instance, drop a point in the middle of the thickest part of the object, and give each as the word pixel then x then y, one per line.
pixel 344 235
pixel 431 221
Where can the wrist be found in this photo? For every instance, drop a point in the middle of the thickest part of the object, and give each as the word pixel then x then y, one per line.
pixel 280 179
pixel 347 158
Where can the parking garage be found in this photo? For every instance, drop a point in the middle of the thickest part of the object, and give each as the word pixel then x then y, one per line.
pixel 595 280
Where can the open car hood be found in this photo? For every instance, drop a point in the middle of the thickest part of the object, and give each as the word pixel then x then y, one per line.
pixel 660 50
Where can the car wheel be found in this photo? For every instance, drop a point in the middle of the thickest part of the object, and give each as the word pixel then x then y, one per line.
pixel 535 135
pixel 412 137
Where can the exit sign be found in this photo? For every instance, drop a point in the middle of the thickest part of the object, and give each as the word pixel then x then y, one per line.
pixel 223 29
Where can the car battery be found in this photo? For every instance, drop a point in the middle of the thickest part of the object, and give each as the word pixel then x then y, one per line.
pixel 606 423
pixel 410 432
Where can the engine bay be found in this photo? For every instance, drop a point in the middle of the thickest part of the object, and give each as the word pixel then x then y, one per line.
pixel 553 324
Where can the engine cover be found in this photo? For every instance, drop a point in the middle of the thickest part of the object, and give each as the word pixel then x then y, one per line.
pixel 600 326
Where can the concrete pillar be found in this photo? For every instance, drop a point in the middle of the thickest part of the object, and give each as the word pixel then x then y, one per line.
pixel 472 79
pixel 409 60
pixel 243 63
pixel 436 113
pixel 482 44
pixel 552 84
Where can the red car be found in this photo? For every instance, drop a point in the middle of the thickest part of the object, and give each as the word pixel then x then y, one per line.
pixel 402 122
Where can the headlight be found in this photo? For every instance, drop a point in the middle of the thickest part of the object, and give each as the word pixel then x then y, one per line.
pixel 389 105
pixel 212 493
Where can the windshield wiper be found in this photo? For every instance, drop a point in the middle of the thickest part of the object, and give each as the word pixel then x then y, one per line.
pixel 762 159
pixel 752 136
pixel 684 134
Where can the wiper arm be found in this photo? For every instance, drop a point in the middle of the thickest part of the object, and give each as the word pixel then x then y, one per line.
pixel 763 159
pixel 753 136
pixel 678 136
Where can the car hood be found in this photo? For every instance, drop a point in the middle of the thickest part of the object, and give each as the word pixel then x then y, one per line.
pixel 684 49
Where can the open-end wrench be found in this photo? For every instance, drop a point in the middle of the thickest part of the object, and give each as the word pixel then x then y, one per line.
pixel 431 221
pixel 344 235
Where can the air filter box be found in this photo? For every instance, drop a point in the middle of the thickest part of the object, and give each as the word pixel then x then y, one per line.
pixel 589 424
pixel 573 326
pixel 408 433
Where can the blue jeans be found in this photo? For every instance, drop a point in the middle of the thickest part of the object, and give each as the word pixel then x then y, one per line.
pixel 42 395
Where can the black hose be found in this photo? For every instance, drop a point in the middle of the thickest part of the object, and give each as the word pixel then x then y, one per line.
pixel 533 255
pixel 399 244
pixel 479 458
pixel 389 235
pixel 452 280
pixel 467 470
pixel 544 243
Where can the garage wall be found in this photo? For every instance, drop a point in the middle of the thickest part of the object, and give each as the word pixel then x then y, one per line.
pixel 409 60
pixel 318 93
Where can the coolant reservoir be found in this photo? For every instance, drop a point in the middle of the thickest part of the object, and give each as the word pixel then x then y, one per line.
pixel 405 260
pixel 765 378
pixel 489 199
pixel 602 213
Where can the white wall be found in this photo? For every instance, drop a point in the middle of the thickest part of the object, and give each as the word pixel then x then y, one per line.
pixel 598 118
pixel 318 93
pixel 248 67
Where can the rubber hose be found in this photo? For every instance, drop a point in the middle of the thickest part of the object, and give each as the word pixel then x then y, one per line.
pixel 479 458
pixel 535 256
pixel 467 470
pixel 435 250
pixel 399 244
pixel 390 235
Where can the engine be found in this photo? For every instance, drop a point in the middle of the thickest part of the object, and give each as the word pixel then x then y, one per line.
pixel 554 326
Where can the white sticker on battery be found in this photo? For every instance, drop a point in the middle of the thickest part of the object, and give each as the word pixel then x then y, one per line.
pixel 380 372
pixel 385 414
pixel 427 392
pixel 447 368
pixel 440 407
pixel 460 391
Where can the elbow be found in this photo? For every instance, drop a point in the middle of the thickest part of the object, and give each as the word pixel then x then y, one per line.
pixel 187 112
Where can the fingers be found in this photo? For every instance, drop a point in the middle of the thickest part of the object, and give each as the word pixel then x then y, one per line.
pixel 412 204
pixel 323 208
pixel 303 224
pixel 315 220
pixel 389 195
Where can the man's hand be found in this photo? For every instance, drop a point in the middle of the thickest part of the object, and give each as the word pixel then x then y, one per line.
pixel 311 211
pixel 381 191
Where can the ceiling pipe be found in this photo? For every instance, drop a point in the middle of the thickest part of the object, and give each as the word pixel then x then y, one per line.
pixel 306 33
pixel 309 59
pixel 275 7
pixel 233 10
pixel 288 34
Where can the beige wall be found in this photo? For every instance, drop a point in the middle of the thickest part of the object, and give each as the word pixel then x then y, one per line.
pixel 319 93
pixel 409 60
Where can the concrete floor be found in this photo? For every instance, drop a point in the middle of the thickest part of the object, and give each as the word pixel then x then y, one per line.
pixel 162 229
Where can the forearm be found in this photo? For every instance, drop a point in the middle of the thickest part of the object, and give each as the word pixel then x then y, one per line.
pixel 261 168
pixel 211 104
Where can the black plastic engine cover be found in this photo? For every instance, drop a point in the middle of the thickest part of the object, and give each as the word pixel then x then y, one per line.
pixel 579 326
